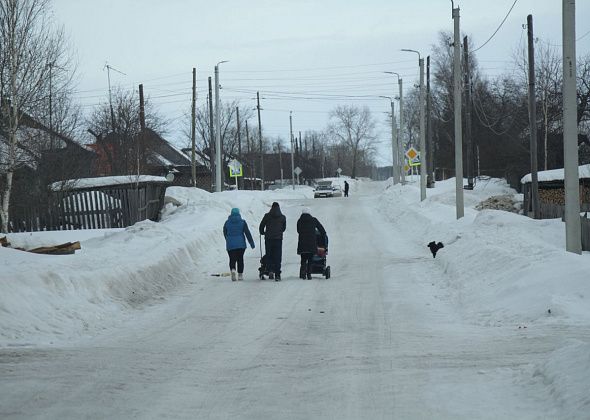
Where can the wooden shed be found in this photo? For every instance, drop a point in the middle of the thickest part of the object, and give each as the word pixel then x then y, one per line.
pixel 552 192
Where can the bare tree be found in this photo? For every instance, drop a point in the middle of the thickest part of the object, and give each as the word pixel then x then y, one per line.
pixel 28 44
pixel 229 131
pixel 354 128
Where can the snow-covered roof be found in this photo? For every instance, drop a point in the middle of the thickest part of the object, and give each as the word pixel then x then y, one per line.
pixel 104 181
pixel 556 174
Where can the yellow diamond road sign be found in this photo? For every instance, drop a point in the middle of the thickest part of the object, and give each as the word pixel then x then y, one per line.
pixel 411 153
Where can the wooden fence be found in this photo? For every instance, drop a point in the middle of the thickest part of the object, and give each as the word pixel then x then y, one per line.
pixel 114 206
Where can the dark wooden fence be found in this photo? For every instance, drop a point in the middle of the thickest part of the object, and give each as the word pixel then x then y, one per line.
pixel 113 206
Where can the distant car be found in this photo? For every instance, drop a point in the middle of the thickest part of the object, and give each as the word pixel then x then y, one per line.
pixel 327 191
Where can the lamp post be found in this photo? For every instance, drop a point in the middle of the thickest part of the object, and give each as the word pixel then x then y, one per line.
pixel 218 151
pixel 394 154
pixel 400 135
pixel 422 129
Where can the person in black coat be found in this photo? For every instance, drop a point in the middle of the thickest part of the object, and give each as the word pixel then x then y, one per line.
pixel 272 226
pixel 307 245
pixel 346 186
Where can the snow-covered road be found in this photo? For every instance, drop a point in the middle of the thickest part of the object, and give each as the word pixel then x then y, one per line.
pixel 382 338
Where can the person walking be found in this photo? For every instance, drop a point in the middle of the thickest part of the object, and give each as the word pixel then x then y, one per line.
pixel 307 228
pixel 346 186
pixel 235 231
pixel 272 226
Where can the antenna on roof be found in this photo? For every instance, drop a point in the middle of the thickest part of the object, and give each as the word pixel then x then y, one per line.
pixel 109 68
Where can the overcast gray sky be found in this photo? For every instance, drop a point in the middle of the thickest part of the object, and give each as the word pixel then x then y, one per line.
pixel 305 49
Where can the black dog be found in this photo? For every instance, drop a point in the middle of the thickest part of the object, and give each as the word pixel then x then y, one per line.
pixel 434 247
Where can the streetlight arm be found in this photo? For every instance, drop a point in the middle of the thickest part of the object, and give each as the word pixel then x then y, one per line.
pixel 408 50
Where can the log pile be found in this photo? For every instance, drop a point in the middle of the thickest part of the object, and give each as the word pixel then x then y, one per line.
pixel 557 195
pixel 61 249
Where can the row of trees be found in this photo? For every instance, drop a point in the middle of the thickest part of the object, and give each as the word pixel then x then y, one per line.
pixel 499 110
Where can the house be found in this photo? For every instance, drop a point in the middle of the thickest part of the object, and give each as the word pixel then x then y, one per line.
pixel 118 155
pixel 43 156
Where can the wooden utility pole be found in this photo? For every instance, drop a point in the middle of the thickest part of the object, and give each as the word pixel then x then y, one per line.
pixel 429 144
pixel 211 133
pixel 533 120
pixel 251 155
pixel 468 136
pixel 193 129
pixel 239 133
pixel 459 199
pixel 260 138
pixel 140 138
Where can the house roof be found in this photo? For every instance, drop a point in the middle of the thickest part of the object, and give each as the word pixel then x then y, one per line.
pixel 556 175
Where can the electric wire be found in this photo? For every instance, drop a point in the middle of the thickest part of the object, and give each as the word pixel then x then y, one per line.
pixel 497 29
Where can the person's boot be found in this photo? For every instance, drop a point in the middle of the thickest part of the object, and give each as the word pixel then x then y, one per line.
pixel 308 276
pixel 302 273
pixel 240 276
pixel 233 275
pixel 271 275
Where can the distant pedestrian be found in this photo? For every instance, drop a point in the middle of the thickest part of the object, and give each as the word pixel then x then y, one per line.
pixel 235 231
pixel 308 228
pixel 346 186
pixel 272 226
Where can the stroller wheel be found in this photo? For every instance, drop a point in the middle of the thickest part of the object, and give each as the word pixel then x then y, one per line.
pixel 327 272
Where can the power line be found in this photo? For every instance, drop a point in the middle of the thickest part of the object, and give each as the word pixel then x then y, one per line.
pixel 497 29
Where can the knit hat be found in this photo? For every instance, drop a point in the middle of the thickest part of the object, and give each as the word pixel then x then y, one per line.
pixel 275 204
pixel 235 211
pixel 305 210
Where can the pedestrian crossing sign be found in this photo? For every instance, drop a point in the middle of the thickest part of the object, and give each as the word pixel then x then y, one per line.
pixel 235 168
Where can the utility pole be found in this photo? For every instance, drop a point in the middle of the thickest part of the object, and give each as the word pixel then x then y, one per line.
pixel 394 153
pixel 401 146
pixel 533 120
pixel 139 139
pixel 239 134
pixel 423 159
pixel 292 150
pixel 570 130
pixel 460 207
pixel 218 151
pixel 430 145
pixel 193 129
pixel 253 163
pixel 260 138
pixel 51 145
pixel 212 150
pixel 468 135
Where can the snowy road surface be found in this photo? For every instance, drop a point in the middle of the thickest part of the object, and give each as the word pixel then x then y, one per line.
pixel 380 339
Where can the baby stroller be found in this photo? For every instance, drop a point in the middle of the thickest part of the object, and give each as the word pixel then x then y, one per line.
pixel 263 269
pixel 318 261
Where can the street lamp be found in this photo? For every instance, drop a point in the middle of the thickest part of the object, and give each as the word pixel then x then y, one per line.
pixel 422 129
pixel 218 151
pixel 400 132
pixel 394 154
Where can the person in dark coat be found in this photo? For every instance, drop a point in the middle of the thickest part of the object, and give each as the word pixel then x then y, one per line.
pixel 346 186
pixel 307 245
pixel 235 231
pixel 272 226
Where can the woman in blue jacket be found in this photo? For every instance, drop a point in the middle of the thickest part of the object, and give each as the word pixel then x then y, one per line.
pixel 235 231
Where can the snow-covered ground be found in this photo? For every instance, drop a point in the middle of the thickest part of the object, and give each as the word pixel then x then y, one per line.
pixel 135 325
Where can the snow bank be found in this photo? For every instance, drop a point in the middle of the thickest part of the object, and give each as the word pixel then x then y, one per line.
pixel 46 298
pixel 501 268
